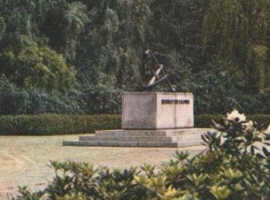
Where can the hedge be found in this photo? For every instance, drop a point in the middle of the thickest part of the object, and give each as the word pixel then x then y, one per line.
pixel 205 121
pixel 48 124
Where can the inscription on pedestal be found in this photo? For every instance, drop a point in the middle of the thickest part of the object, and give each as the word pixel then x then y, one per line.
pixel 157 110
pixel 174 101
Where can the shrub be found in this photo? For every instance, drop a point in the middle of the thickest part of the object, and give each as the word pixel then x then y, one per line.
pixel 205 121
pixel 261 119
pixel 47 124
pixel 2 26
pixel 15 101
pixel 235 165
pixel 31 65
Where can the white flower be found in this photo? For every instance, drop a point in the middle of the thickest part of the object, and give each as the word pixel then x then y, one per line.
pixel 236 116
pixel 267 130
pixel 248 125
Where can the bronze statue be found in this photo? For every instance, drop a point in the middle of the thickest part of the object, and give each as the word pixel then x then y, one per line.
pixel 153 72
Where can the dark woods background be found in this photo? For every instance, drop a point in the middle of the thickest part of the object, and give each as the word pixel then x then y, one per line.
pixel 74 56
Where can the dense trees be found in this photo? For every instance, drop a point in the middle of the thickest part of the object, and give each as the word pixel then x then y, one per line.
pixel 2 26
pixel 239 32
pixel 84 53
pixel 30 65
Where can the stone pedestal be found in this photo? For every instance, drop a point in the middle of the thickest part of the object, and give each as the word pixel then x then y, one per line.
pixel 157 110
pixel 150 119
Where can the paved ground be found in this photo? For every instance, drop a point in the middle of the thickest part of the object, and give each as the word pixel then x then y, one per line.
pixel 24 159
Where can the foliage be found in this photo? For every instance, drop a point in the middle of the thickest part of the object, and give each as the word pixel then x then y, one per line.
pixel 2 26
pixel 216 49
pixel 63 25
pixel 16 100
pixel 105 97
pixel 205 120
pixel 236 165
pixel 30 66
pixel 20 101
pixel 213 90
pixel 238 31
pixel 118 37
pixel 12 100
pixel 48 124
pixel 216 90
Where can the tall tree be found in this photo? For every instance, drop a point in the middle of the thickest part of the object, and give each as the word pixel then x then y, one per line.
pixel 30 65
pixel 238 32
pixel 2 27
pixel 63 25
pixel 116 40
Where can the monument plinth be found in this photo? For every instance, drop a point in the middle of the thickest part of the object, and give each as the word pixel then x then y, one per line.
pixel 157 110
pixel 150 119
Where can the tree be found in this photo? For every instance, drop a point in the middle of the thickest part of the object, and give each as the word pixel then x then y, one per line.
pixel 116 41
pixel 2 27
pixel 63 25
pixel 238 31
pixel 30 65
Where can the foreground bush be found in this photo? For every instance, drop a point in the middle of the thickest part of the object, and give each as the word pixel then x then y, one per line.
pixel 235 165
pixel 205 120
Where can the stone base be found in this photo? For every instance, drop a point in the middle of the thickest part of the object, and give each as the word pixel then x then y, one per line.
pixel 142 138
pixel 157 110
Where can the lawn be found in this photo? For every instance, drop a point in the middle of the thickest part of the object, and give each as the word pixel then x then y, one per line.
pixel 24 159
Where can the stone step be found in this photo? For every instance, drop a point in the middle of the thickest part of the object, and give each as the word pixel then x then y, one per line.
pixel 186 137
pixel 165 132
pixel 119 144
pixel 179 138
pixel 189 132
pixel 190 143
pixel 97 140
pixel 121 133
pixel 126 138
pixel 143 138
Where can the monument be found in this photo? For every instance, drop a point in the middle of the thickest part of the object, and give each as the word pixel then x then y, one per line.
pixel 157 110
pixel 151 119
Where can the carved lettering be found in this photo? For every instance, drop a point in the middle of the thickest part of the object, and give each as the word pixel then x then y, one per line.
pixel 174 101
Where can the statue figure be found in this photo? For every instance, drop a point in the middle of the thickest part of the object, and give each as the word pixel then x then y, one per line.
pixel 153 72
